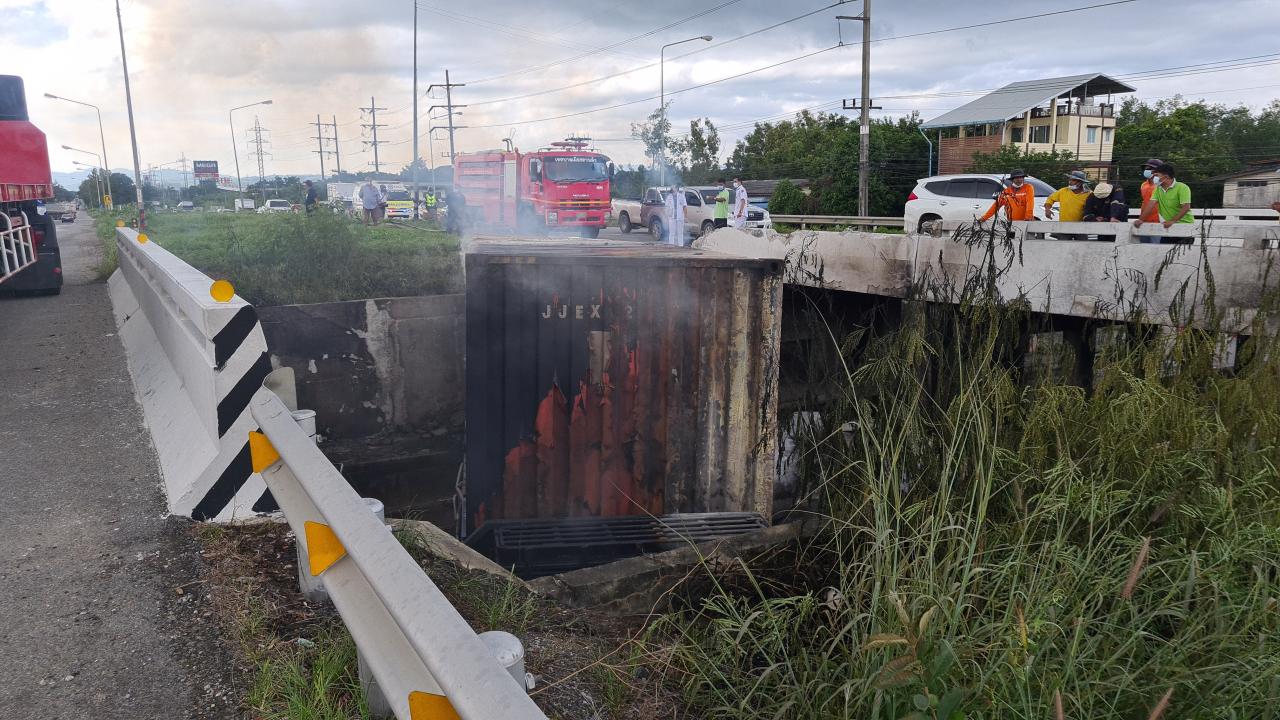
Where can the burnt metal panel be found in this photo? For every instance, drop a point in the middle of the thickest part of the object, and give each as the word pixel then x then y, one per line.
pixel 618 379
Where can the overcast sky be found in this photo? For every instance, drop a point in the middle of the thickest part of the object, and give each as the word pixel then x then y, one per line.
pixel 191 61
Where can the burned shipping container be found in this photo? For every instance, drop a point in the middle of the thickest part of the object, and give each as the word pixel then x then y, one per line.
pixel 609 379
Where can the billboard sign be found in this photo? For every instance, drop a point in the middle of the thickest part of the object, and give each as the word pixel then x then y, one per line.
pixel 205 169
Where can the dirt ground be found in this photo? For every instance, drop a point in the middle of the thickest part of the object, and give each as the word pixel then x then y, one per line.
pixel 584 664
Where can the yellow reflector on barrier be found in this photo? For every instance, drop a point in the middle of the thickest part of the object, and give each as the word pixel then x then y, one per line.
pixel 323 547
pixel 262 454
pixel 222 291
pixel 142 237
pixel 119 223
pixel 426 706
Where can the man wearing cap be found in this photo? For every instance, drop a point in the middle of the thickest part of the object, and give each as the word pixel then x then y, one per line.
pixel 1170 198
pixel 1018 199
pixel 1148 187
pixel 1106 204
pixel 1070 201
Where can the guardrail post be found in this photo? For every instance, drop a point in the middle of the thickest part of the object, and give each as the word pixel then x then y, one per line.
pixel 379 706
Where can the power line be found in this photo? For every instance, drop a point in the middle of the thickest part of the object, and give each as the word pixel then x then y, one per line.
pixel 605 48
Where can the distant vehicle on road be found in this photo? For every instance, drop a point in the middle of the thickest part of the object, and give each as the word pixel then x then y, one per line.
pixel 699 217
pixel 399 201
pixel 186 206
pixel 960 198
pixel 29 256
pixel 244 204
pixel 276 205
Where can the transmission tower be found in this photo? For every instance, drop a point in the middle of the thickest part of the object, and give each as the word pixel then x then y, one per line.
pixel 258 141
pixel 373 126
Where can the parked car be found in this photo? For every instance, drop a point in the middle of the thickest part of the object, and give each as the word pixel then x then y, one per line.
pixel 275 205
pixel 960 198
pixel 699 217
pixel 186 206
pixel 628 213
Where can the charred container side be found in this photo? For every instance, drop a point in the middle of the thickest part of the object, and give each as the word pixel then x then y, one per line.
pixel 616 379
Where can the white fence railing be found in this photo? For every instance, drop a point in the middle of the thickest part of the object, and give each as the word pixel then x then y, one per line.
pixel 17 246
pixel 804 221
pixel 426 661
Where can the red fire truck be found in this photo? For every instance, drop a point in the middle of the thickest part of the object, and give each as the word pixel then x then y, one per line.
pixel 563 187
pixel 29 258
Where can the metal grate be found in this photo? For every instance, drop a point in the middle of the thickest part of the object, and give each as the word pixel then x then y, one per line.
pixel 544 547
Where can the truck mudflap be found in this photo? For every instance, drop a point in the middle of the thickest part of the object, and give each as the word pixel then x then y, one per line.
pixel 17 246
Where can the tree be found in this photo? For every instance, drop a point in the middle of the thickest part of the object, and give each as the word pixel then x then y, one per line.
pixel 61 194
pixel 655 133
pixel 1046 166
pixel 702 148
pixel 787 199
pixel 122 189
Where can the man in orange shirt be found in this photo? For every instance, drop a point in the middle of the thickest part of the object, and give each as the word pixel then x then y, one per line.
pixel 1018 198
pixel 1148 187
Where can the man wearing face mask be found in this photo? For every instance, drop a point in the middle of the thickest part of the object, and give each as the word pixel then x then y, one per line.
pixel 1170 198
pixel 1070 201
pixel 1148 187
pixel 739 205
pixel 1018 199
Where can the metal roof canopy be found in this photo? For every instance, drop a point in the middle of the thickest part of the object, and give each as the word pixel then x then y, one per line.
pixel 1016 98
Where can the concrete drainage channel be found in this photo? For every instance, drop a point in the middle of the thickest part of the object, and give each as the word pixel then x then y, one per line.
pixel 621 402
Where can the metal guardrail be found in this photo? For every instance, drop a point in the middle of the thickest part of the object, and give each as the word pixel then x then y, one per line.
pixel 806 220
pixel 426 661
pixel 17 247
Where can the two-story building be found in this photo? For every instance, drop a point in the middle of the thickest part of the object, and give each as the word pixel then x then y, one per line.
pixel 1075 114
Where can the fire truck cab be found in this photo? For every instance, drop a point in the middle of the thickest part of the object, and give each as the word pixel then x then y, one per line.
pixel 563 187
pixel 29 257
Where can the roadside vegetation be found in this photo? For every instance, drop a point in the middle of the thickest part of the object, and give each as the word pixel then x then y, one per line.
pixel 283 259
pixel 1003 542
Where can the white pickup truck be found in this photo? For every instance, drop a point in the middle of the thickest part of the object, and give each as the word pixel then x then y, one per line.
pixel 699 217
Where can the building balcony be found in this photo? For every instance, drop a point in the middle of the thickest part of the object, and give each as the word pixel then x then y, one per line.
pixel 1068 109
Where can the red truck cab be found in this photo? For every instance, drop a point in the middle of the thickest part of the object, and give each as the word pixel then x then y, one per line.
pixel 562 187
pixel 28 236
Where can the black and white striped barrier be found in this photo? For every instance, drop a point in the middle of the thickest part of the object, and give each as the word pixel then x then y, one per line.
pixel 197 355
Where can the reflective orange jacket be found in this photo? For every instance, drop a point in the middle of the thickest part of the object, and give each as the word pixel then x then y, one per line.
pixel 1021 203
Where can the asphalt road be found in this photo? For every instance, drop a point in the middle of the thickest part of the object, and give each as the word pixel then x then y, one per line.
pixel 90 617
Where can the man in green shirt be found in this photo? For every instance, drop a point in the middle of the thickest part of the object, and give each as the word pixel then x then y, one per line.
pixel 722 205
pixel 1170 197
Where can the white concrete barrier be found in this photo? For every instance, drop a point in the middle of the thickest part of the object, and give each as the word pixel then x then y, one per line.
pixel 196 363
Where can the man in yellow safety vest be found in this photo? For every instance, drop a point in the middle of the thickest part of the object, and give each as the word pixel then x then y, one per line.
pixel 431 204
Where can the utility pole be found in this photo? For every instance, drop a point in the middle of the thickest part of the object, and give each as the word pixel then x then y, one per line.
pixel 186 178
pixel 373 125
pixel 864 107
pixel 319 138
pixel 133 134
pixel 258 142
pixel 451 109
pixel 337 157
pixel 414 164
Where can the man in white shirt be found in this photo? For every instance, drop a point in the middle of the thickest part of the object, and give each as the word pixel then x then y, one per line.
pixel 739 204
pixel 676 205
pixel 369 198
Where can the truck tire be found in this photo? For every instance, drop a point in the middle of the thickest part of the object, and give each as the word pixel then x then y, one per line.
pixel 590 232
pixel 624 223
pixel 655 229
pixel 707 227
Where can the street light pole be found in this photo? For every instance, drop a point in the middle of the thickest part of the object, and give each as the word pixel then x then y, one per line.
pixel 99 158
pixel 864 117
pixel 97 179
pixel 101 136
pixel 414 164
pixel 662 97
pixel 235 153
pixel 133 134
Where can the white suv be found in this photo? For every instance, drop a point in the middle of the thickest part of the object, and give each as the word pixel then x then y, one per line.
pixel 960 198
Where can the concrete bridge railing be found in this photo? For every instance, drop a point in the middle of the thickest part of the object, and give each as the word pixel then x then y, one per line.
pixel 1081 278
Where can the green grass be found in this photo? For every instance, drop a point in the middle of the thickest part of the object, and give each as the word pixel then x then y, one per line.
pixel 999 545
pixel 283 259
pixel 316 682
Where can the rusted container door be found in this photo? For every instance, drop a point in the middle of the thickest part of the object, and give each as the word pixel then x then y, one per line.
pixel 608 379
